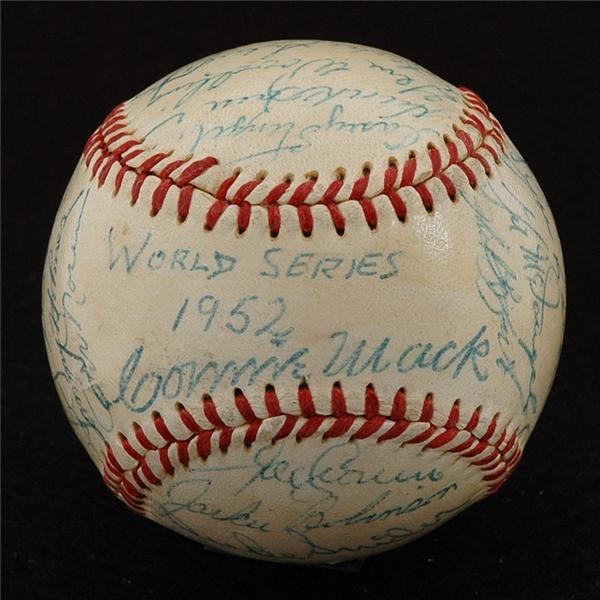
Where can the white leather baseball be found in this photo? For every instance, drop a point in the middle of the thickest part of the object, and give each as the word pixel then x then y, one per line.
pixel 303 301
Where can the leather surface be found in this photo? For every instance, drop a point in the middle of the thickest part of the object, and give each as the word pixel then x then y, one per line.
pixel 145 313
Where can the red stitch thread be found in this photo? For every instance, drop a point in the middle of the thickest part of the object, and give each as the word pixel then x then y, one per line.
pixel 99 150
pixel 272 402
pixel 496 460
pixel 391 174
pixel 140 436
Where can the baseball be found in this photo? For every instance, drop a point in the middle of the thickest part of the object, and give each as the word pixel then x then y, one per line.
pixel 303 301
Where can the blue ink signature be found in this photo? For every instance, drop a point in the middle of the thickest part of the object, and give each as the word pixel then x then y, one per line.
pixel 315 489
pixel 499 284
pixel 356 359
pixel 139 389
pixel 87 407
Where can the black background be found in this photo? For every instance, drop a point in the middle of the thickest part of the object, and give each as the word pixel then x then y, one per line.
pixel 65 66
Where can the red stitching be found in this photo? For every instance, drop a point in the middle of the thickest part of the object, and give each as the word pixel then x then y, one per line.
pixel 132 482
pixel 98 149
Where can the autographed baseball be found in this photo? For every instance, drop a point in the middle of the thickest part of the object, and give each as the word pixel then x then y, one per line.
pixel 303 301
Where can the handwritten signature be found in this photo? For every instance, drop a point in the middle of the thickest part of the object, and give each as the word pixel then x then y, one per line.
pixel 315 491
pixel 87 407
pixel 284 75
pixel 502 264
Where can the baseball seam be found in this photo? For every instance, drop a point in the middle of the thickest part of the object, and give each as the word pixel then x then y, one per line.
pixel 113 145
pixel 142 461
